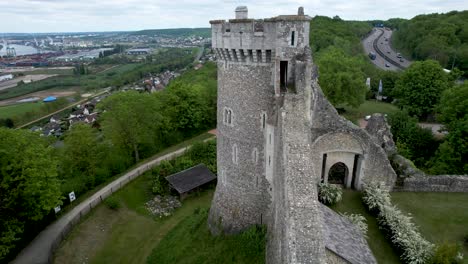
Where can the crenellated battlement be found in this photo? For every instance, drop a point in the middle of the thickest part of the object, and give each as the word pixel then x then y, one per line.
pixel 258 40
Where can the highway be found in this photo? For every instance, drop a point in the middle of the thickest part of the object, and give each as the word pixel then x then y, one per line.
pixel 378 42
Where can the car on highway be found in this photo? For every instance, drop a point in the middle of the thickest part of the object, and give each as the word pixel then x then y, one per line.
pixel 402 60
pixel 387 65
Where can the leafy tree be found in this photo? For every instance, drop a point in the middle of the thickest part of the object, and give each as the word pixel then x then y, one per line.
pixel 29 187
pixel 413 142
pixel 453 105
pixel 452 155
pixel 82 156
pixel 341 79
pixel 133 121
pixel 419 88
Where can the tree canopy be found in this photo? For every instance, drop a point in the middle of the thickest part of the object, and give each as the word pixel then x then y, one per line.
pixel 441 37
pixel 341 78
pixel 29 187
pixel 419 88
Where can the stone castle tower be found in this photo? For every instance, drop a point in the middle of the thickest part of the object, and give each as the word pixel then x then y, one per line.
pixel 278 137
pixel 254 67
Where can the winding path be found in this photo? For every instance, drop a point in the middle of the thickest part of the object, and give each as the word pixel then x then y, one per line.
pixel 41 249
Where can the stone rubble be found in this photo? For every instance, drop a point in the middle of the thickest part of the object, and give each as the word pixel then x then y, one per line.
pixel 162 206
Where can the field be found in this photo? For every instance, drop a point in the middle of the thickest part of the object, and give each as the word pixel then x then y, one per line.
pixel 368 108
pixel 12 111
pixel 440 216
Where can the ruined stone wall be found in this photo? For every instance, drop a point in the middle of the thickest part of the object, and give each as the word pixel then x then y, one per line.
pixel 333 133
pixel 436 183
pixel 295 234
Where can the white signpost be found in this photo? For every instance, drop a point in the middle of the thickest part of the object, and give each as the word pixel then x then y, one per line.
pixel 57 209
pixel 72 196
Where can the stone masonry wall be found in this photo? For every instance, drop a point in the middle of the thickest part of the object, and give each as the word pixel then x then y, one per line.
pixel 438 183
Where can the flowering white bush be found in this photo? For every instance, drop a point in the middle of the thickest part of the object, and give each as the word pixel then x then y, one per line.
pixel 329 194
pixel 359 221
pixel 404 234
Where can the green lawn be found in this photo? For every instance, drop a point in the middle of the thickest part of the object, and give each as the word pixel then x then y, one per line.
pixel 368 108
pixel 12 111
pixel 379 245
pixel 440 217
pixel 191 242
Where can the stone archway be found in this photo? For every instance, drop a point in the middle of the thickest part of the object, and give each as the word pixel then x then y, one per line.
pixel 338 173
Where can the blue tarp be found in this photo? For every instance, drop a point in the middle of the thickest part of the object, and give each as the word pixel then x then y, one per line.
pixel 49 99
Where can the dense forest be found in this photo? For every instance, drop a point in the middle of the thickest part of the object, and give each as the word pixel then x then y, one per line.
pixel 441 37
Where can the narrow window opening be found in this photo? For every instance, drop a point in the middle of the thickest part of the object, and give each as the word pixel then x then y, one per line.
pixel 228 30
pixel 263 120
pixel 255 156
pixel 234 154
pixel 269 139
pixel 268 56
pixel 283 76
pixel 292 37
pixel 229 117
pixel 269 160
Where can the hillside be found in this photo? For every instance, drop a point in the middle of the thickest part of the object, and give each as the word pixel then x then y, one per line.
pixel 442 37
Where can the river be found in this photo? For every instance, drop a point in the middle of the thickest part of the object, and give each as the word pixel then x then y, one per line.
pixel 20 50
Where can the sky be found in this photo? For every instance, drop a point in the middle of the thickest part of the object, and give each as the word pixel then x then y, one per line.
pixel 21 16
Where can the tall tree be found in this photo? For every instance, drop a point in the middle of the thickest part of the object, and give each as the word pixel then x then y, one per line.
pixel 341 78
pixel 29 187
pixel 419 88
pixel 132 121
pixel 81 155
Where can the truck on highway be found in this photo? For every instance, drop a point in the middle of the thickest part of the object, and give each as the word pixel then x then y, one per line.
pixel 372 55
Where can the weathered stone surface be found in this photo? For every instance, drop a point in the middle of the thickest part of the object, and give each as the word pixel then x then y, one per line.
pixel 275 129
pixel 344 239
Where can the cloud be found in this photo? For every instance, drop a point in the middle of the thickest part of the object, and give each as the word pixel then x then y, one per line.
pixel 114 15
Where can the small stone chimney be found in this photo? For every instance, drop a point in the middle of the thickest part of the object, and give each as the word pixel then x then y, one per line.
pixel 241 12
pixel 300 11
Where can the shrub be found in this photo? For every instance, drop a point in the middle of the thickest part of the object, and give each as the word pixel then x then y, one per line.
pixel 465 239
pixel 329 194
pixel 358 220
pixel 112 203
pixel 403 233
pixel 447 253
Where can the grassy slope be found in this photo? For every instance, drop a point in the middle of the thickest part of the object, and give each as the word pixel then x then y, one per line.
pixel 191 242
pixel 129 234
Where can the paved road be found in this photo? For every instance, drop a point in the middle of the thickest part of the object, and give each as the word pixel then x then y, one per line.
pixel 40 250
pixel 389 57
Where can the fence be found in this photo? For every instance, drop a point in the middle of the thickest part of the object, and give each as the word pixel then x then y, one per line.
pixel 41 249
